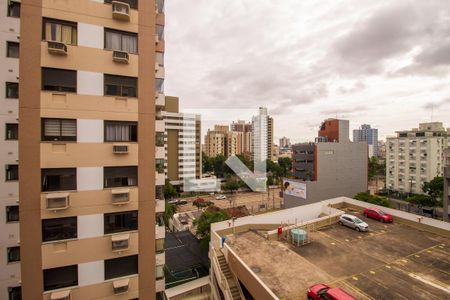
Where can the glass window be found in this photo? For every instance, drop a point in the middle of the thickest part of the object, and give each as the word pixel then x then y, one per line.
pixel 64 179
pixel 13 49
pixel 160 6
pixel 116 131
pixel 122 266
pixel 59 229
pixel 121 41
pixel 12 213
pixel 120 86
pixel 159 245
pixel 120 176
pixel 159 30
pixel 12 172
pixel 120 222
pixel 159 165
pixel 13 254
pixel 12 90
pixel 60 31
pixel 61 277
pixel 132 3
pixel 15 293
pixel 160 58
pixel 12 131
pixel 159 139
pixel 14 9
pixel 59 80
pixel 159 85
pixel 59 130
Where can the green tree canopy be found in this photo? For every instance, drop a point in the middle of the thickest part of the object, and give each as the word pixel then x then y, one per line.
pixel 422 200
pixel 170 210
pixel 366 197
pixel 204 222
pixel 434 188
pixel 169 190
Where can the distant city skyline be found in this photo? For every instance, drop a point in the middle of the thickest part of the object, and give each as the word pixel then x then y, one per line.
pixel 379 64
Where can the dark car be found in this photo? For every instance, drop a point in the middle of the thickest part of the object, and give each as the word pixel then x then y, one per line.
pixel 378 214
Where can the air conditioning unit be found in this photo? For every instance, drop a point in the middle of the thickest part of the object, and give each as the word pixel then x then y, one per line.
pixel 56 48
pixel 120 196
pixel 121 286
pixel 120 57
pixel 62 295
pixel 58 201
pixel 121 11
pixel 120 149
pixel 120 242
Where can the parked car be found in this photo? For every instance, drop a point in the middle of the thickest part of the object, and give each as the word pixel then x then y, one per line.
pixel 182 202
pixel 177 202
pixel 221 197
pixel 353 222
pixel 378 214
pixel 322 291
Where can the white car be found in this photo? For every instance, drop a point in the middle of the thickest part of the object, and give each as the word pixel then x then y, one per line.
pixel 353 222
pixel 221 197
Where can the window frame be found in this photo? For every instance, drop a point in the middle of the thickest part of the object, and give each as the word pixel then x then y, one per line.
pixel 66 186
pixel 7 166
pixel 70 233
pixel 10 9
pixel 15 292
pixel 122 33
pixel 121 86
pixel 105 181
pixel 15 132
pixel 8 49
pixel 9 84
pixel 73 25
pixel 109 264
pixel 63 270
pixel 133 132
pixel 72 88
pixel 124 221
pixel 60 138
pixel 8 210
pixel 10 256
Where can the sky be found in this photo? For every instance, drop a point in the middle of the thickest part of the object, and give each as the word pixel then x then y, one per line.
pixel 384 63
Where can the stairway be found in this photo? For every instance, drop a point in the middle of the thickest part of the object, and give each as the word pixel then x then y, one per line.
pixel 232 282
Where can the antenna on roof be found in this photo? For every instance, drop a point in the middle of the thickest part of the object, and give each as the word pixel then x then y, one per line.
pixel 432 110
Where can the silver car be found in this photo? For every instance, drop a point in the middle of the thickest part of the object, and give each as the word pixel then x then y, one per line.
pixel 353 222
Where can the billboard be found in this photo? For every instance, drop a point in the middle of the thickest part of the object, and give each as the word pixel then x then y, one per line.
pixel 294 188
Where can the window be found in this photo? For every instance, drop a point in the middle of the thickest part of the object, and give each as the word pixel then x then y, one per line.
pixel 159 30
pixel 12 90
pixel 15 293
pixel 116 131
pixel 59 80
pixel 159 165
pixel 120 86
pixel 59 31
pixel 159 139
pixel 59 130
pixel 121 41
pixel 64 179
pixel 13 49
pixel 159 85
pixel 120 222
pixel 122 266
pixel 132 3
pixel 160 6
pixel 61 277
pixel 13 254
pixel 12 131
pixel 12 213
pixel 159 246
pixel 59 229
pixel 12 172
pixel 160 58
pixel 14 9
pixel 120 176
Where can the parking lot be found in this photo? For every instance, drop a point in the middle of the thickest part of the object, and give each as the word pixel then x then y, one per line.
pixel 391 261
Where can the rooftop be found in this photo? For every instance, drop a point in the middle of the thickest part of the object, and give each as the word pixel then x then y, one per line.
pixel 391 261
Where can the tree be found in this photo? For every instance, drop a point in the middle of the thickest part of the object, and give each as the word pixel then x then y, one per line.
pixel 285 164
pixel 169 190
pixel 204 222
pixel 366 197
pixel 422 200
pixel 232 184
pixel 434 188
pixel 375 169
pixel 207 163
pixel 170 210
pixel 200 202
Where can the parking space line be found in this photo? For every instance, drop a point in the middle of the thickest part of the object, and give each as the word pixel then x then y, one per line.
pixel 435 285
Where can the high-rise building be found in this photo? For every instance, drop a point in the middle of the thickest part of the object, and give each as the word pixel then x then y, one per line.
pixel 91 182
pixel 262 145
pixel 245 138
pixel 415 156
pixel 285 142
pixel 216 141
pixel 367 134
pixel 446 194
pixel 182 140
pixel 333 130
pixel 9 188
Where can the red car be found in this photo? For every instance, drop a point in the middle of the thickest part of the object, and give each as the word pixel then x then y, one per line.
pixel 378 214
pixel 322 291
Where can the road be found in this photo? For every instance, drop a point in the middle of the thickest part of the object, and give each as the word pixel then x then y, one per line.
pixel 252 200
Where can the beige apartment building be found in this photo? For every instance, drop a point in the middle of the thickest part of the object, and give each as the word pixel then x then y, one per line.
pixel 9 187
pixel 91 96
pixel 224 142
pixel 415 156
pixel 182 141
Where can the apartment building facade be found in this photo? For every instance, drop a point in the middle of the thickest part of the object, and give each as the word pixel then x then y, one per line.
pixel 446 194
pixel 9 188
pixel 182 142
pixel 415 156
pixel 245 136
pixel 370 135
pixel 91 85
pixel 284 142
pixel 333 130
pixel 263 128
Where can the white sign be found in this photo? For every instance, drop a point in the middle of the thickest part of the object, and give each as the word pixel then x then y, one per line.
pixel 294 188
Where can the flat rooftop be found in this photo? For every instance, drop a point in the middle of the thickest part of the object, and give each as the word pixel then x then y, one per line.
pixel 391 261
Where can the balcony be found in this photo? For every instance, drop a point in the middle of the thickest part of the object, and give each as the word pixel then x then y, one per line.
pixel 160 206
pixel 160 99
pixel 160 258
pixel 159 126
pixel 159 71
pixel 160 232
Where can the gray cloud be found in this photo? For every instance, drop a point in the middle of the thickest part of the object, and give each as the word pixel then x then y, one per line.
pixel 343 111
pixel 437 104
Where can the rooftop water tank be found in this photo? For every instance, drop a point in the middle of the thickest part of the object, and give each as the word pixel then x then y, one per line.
pixel 298 235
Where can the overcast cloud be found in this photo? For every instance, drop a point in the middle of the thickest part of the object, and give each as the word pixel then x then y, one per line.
pixel 384 63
